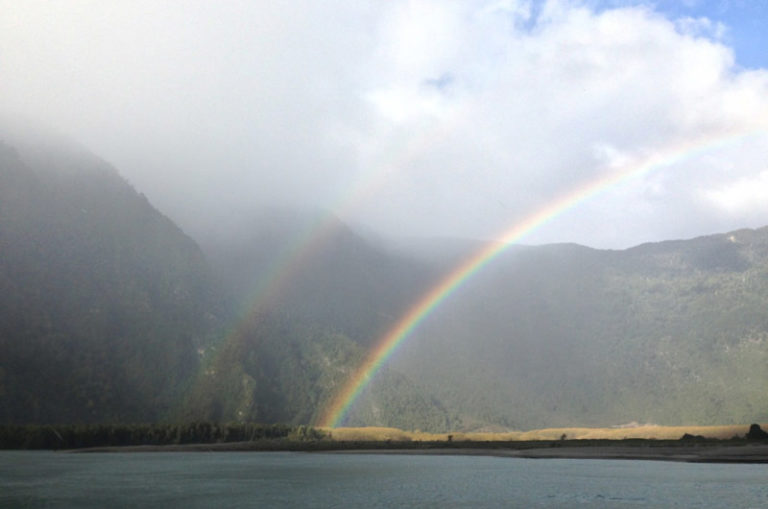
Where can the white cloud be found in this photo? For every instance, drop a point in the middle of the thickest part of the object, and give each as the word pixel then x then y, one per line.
pixel 413 116
pixel 531 114
pixel 701 27
pixel 743 197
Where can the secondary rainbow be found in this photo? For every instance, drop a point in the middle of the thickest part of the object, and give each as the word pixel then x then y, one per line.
pixel 339 406
pixel 314 234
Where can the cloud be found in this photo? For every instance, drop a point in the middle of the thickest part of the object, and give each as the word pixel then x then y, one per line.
pixel 745 196
pixel 701 26
pixel 412 117
pixel 525 116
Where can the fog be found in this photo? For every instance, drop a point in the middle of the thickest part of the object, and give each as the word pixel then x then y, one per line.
pixel 415 118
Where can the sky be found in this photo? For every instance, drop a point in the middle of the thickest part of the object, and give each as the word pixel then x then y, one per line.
pixel 411 118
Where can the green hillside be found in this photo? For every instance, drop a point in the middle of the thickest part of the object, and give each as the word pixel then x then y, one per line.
pixel 292 344
pixel 275 369
pixel 103 300
pixel 672 333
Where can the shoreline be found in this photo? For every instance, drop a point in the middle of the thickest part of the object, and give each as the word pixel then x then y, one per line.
pixel 703 452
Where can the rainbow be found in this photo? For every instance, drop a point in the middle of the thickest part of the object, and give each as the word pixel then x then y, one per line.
pixel 311 238
pixel 275 278
pixel 335 412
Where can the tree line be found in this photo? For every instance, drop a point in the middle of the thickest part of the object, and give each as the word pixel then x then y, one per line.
pixel 75 436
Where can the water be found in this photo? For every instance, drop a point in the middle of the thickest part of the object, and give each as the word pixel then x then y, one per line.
pixel 244 480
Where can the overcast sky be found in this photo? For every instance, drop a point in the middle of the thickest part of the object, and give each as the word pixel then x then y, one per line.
pixel 435 118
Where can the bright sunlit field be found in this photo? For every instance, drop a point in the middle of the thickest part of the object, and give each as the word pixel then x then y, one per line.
pixel 647 431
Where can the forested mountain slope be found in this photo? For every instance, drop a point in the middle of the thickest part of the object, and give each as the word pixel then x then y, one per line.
pixel 311 297
pixel 273 368
pixel 673 332
pixel 104 302
pixel 110 313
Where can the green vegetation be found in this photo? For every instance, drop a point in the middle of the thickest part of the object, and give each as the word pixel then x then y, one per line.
pixel 104 302
pixel 109 435
pixel 672 333
pixel 274 369
pixel 270 369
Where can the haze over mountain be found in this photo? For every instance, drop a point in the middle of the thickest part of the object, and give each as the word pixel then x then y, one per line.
pixel 109 312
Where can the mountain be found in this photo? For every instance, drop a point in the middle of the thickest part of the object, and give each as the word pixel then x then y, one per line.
pixel 673 332
pixel 316 268
pixel 110 313
pixel 104 302
pixel 277 369
pixel 311 296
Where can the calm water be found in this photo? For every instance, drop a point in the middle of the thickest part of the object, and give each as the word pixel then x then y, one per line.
pixel 189 480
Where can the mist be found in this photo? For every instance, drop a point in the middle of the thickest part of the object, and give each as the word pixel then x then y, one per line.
pixel 439 119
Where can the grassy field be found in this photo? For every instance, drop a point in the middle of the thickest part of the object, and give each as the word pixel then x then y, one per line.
pixel 650 431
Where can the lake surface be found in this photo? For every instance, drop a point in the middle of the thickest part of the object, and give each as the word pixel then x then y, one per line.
pixel 255 479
